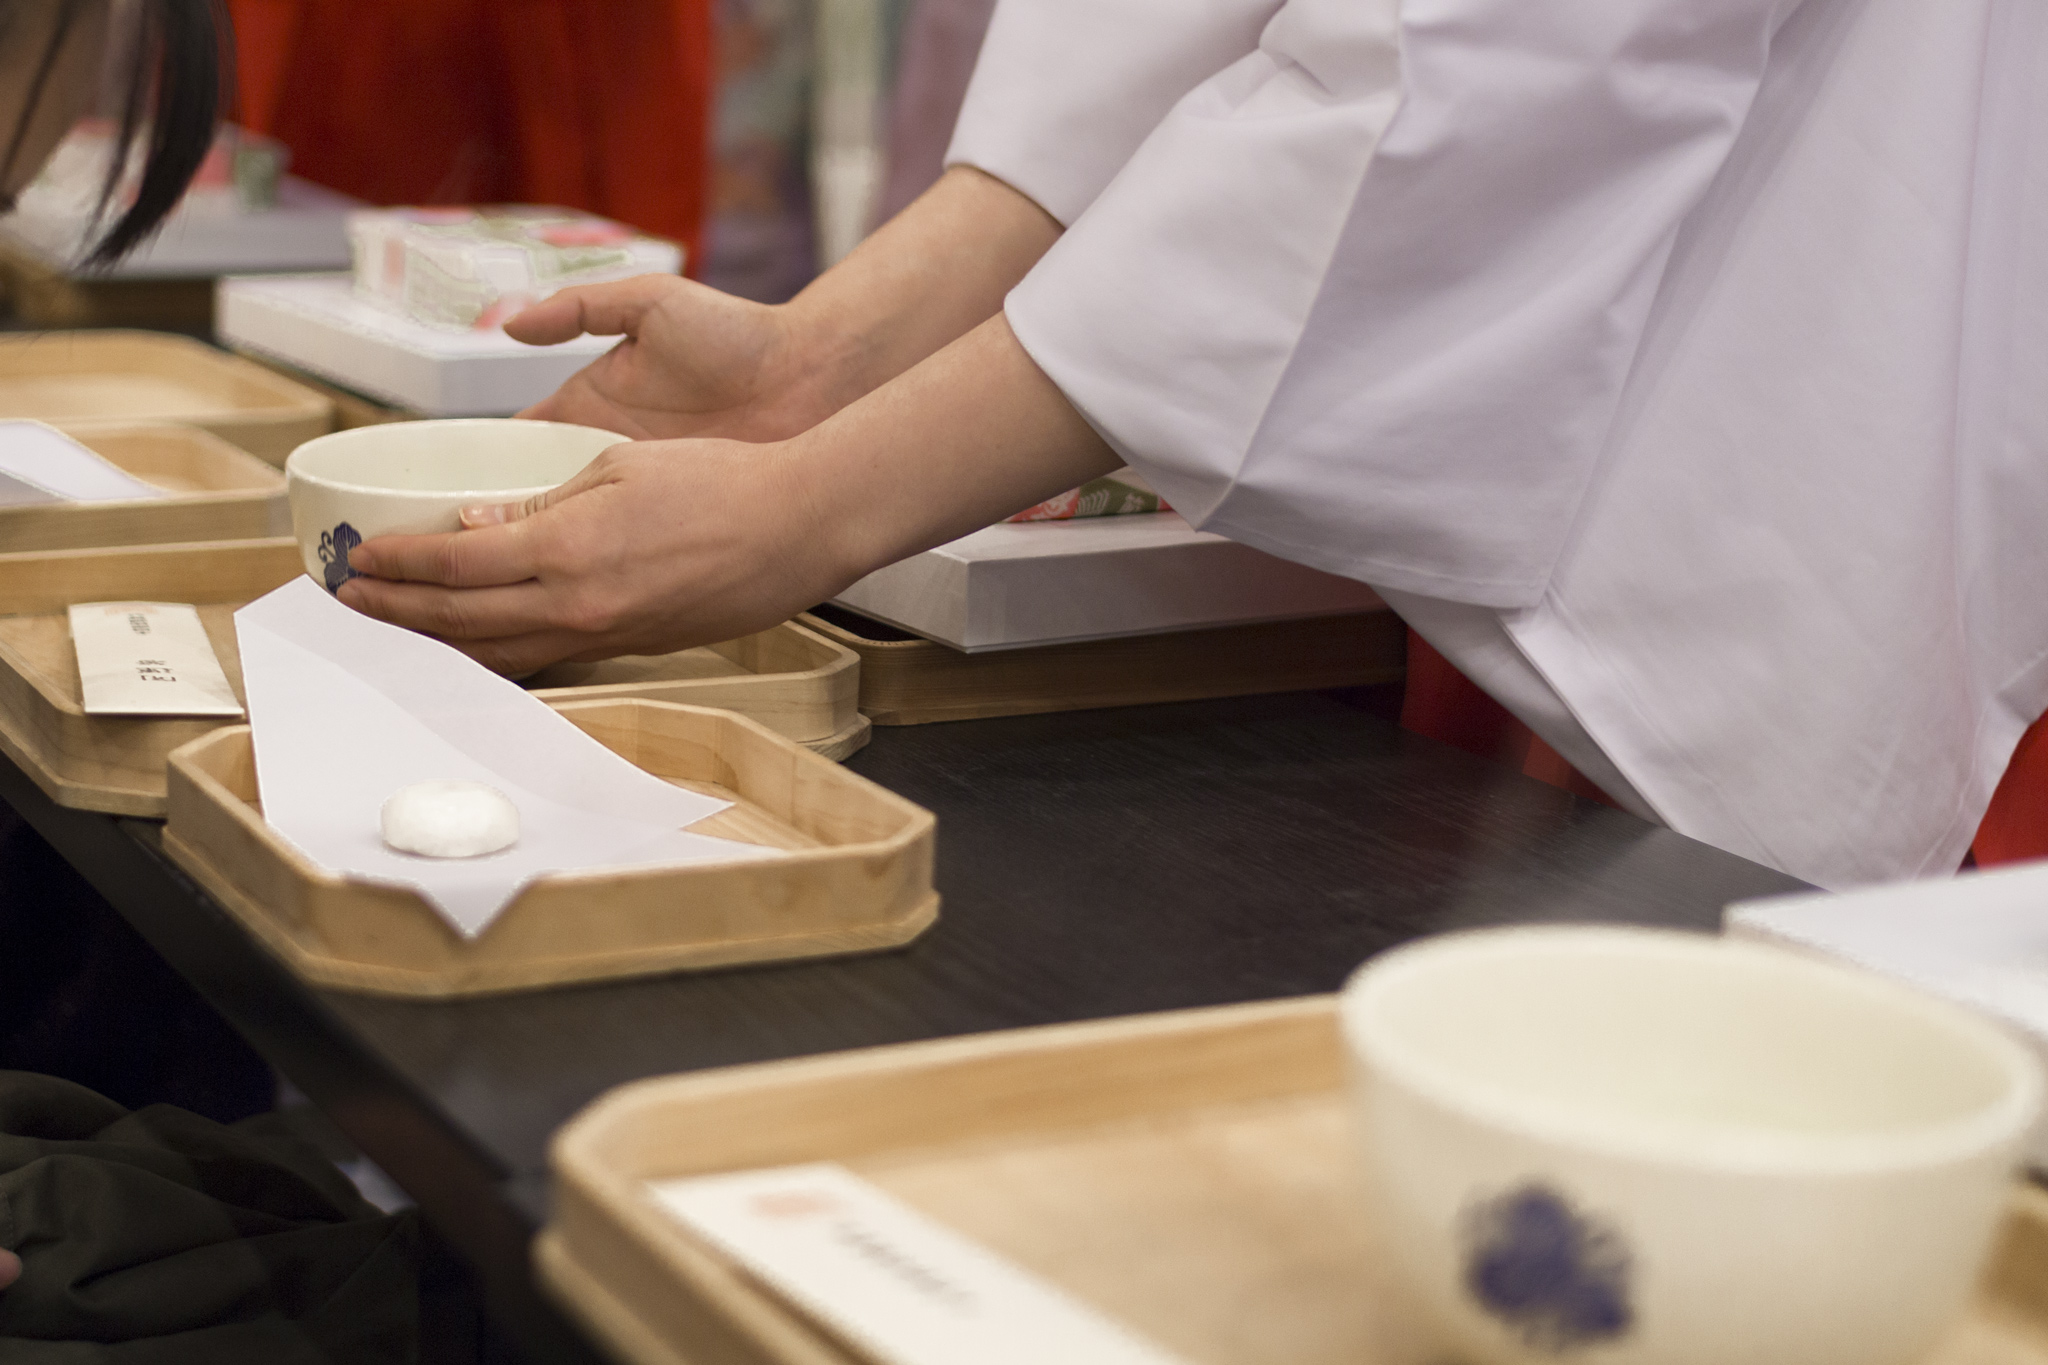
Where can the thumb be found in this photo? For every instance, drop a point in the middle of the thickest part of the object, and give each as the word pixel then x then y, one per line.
pixel 598 471
pixel 10 1268
pixel 606 310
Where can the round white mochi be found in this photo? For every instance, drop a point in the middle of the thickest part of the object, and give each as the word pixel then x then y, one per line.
pixel 450 820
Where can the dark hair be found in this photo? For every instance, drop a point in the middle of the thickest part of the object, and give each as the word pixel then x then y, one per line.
pixel 171 98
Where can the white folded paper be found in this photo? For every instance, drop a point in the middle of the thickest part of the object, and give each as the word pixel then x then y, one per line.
pixel 147 659
pixel 39 463
pixel 345 710
pixel 898 1285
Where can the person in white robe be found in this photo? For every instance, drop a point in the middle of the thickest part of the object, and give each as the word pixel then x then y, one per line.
pixel 1679 368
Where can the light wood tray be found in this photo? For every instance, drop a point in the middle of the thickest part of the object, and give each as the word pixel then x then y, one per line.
pixel 860 877
pixel 351 409
pixel 910 681
pixel 220 492
pixel 1191 1174
pixel 66 377
pixel 792 681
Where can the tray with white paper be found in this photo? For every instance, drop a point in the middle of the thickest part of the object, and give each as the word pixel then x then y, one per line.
pixel 92 376
pixel 200 487
pixel 854 875
pixel 789 679
pixel 1189 1176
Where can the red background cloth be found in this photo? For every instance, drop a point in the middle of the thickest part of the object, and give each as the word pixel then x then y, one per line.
pixel 601 105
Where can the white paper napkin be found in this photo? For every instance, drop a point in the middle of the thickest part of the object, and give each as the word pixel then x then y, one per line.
pixel 345 710
pixel 35 459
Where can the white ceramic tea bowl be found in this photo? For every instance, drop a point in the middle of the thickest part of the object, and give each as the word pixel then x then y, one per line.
pixel 413 478
pixel 1647 1148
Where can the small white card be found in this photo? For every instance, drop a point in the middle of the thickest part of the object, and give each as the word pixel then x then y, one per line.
pixel 890 1281
pixel 148 659
pixel 41 459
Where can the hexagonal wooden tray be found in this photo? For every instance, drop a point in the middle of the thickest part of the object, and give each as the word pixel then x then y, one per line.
pixel 789 679
pixel 1190 1174
pixel 91 376
pixel 218 492
pixel 858 876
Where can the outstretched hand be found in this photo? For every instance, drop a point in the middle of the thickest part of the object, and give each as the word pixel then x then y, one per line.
pixel 693 362
pixel 662 545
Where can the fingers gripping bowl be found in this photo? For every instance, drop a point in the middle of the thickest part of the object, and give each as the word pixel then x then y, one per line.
pixel 414 478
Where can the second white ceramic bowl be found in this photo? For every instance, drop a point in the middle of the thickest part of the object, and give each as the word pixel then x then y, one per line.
pixel 1645 1148
pixel 414 478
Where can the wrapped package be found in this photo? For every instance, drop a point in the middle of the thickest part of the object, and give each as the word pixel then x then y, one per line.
pixel 466 268
pixel 1112 495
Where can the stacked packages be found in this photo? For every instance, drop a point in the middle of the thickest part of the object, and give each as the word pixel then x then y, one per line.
pixel 462 269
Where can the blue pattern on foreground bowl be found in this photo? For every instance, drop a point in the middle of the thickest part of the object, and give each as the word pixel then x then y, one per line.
pixel 1556 1277
pixel 334 548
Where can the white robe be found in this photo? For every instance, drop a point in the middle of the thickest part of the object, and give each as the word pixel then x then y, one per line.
pixel 1680 367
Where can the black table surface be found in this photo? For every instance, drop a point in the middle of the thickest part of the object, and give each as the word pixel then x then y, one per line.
pixel 1091 864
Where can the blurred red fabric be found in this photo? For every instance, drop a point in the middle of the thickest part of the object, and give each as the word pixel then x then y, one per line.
pixel 2016 826
pixel 1443 704
pixel 601 105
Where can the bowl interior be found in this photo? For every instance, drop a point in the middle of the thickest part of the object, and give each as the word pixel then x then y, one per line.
pixel 459 456
pixel 1670 1033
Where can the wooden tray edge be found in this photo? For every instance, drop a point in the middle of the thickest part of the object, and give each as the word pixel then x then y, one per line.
pixel 587 1299
pixel 2014 1286
pixel 367 979
pixel 74 795
pixel 890 697
pixel 836 682
pixel 846 743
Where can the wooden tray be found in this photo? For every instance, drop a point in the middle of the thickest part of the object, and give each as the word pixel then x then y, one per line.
pixel 222 493
pixel 905 680
pixel 66 377
pixel 792 681
pixel 1190 1174
pixel 860 880
pixel 351 409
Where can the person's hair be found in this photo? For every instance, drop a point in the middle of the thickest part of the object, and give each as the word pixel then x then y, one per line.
pixel 171 96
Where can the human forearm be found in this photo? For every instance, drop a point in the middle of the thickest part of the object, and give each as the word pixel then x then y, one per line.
pixel 962 440
pixel 923 280
pixel 698 362
pixel 662 545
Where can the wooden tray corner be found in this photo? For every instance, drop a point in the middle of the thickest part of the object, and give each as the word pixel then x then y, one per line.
pixel 83 376
pixel 788 678
pixel 1190 1174
pixel 905 680
pixel 858 878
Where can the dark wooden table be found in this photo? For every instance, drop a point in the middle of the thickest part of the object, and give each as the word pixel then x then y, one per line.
pixel 1092 864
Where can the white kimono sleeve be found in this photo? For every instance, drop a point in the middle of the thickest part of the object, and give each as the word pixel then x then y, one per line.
pixel 1366 298
pixel 1065 90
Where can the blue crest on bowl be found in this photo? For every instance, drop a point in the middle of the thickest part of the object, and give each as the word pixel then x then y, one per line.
pixel 1557 1277
pixel 334 548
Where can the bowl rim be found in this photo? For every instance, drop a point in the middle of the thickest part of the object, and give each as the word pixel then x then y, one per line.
pixel 296 473
pixel 2003 1120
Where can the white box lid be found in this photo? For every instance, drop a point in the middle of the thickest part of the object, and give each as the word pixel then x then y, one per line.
pixel 1094 578
pixel 317 323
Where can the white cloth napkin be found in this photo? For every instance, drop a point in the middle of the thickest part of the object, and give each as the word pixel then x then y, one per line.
pixel 41 464
pixel 346 710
